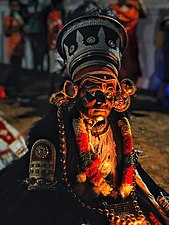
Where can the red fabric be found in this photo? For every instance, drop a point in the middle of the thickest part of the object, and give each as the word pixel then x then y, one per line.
pixel 5 152
pixel 54 22
pixel 15 40
pixel 133 3
pixel 130 64
pixel 153 219
pixel 129 18
pixel 2 92
pixel 5 134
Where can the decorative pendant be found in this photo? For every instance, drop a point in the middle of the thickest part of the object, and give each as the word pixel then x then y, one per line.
pixel 122 98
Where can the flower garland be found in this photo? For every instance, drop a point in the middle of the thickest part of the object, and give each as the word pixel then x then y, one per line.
pixel 128 172
pixel 90 162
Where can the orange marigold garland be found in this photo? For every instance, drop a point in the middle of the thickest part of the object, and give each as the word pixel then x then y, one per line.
pixel 128 173
pixel 90 162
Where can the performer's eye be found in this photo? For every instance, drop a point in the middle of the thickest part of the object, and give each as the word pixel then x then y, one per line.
pixel 109 95
pixel 89 95
pixel 93 93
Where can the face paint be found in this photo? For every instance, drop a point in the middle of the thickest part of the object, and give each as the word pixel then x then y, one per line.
pixel 96 98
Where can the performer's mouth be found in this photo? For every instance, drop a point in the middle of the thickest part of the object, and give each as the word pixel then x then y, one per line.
pixel 100 127
pixel 100 123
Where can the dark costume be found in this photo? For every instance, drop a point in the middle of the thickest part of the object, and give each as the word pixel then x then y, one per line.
pixel 82 168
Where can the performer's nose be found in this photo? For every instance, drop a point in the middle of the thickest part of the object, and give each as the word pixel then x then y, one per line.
pixel 100 97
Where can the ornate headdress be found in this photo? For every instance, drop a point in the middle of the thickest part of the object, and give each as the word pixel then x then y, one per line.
pixel 91 40
pixel 92 47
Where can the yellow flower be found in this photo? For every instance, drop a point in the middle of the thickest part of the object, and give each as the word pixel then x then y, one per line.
pixel 96 190
pixel 125 190
pixel 104 187
pixel 81 178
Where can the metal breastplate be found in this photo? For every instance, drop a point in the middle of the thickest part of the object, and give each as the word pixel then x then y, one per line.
pixel 42 165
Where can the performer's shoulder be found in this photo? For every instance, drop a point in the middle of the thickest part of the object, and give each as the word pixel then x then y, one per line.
pixel 45 128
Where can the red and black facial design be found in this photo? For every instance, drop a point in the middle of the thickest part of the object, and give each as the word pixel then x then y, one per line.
pixel 96 97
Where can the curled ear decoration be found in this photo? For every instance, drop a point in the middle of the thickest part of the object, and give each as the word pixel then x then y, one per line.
pixel 70 89
pixel 122 97
pixel 68 93
pixel 128 86
pixel 121 101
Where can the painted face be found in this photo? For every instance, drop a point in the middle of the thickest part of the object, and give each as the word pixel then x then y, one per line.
pixel 97 98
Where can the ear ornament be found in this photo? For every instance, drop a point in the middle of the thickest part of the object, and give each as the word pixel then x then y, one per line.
pixel 122 98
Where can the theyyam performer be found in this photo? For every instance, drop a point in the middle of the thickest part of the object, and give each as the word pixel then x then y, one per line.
pixel 82 167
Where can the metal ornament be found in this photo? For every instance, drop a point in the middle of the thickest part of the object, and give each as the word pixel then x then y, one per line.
pixel 122 98
pixel 128 86
pixel 42 165
pixel 68 93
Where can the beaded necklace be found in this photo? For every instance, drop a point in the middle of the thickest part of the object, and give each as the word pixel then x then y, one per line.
pixel 110 213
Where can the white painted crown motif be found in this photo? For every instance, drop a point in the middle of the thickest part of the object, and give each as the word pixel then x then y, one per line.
pixel 92 45
pixel 91 41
